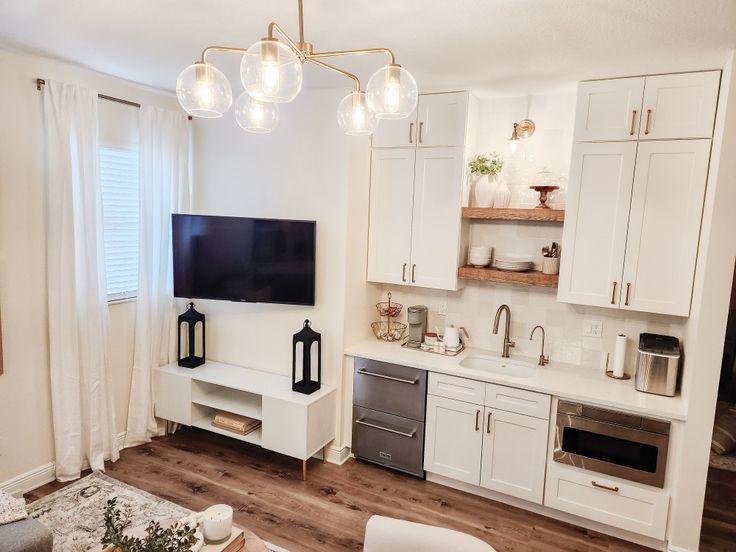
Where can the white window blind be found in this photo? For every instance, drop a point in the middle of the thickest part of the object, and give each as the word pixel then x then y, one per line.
pixel 119 184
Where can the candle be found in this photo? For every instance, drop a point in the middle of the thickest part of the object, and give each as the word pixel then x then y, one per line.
pixel 217 523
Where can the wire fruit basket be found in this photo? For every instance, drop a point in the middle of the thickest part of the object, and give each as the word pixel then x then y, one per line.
pixel 388 330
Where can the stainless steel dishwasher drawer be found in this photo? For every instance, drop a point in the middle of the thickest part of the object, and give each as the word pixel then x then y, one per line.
pixel 389 440
pixel 390 388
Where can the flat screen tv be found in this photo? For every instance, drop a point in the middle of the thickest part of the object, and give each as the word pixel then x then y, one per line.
pixel 244 259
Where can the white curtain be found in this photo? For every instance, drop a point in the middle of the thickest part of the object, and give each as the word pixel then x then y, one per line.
pixel 82 409
pixel 164 189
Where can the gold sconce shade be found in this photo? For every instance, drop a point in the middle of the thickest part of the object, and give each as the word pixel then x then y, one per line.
pixel 204 91
pixel 522 130
pixel 256 116
pixel 354 116
pixel 392 92
pixel 271 71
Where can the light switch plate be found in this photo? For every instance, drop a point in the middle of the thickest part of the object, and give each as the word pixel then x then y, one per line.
pixel 592 328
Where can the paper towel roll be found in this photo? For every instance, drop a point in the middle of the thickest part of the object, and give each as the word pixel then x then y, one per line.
pixel 619 356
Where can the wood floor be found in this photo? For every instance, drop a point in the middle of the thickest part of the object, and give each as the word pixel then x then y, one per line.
pixel 328 512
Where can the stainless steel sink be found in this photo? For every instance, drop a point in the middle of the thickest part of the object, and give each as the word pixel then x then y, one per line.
pixel 498 365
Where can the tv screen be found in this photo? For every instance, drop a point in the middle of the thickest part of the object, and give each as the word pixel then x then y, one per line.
pixel 244 259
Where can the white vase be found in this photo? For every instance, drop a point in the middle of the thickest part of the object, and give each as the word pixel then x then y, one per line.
pixel 484 190
pixel 502 195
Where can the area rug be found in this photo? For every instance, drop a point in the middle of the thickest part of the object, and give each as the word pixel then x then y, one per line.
pixel 75 513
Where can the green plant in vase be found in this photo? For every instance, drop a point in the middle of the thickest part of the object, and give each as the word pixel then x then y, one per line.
pixel 484 171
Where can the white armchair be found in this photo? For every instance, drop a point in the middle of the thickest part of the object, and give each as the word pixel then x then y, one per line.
pixel 384 534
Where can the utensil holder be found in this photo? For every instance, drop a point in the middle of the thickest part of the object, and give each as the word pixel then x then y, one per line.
pixel 550 265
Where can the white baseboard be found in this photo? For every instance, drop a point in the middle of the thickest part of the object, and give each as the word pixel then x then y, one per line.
pixel 672 548
pixel 338 455
pixel 32 479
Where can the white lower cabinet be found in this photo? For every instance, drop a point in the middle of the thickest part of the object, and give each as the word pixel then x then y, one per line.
pixel 501 450
pixel 453 440
pixel 514 454
pixel 623 505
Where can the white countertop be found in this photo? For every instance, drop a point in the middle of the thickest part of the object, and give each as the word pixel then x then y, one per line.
pixel 578 383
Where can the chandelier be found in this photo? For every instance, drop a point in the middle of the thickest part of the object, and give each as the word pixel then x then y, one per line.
pixel 271 72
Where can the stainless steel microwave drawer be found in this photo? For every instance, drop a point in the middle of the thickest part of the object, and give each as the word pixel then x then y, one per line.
pixel 388 440
pixel 390 388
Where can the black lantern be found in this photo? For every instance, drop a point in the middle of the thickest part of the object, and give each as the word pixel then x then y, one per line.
pixel 190 318
pixel 307 337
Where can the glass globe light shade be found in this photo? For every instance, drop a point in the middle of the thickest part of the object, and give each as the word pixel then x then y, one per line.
pixel 255 116
pixel 354 116
pixel 392 92
pixel 203 91
pixel 271 72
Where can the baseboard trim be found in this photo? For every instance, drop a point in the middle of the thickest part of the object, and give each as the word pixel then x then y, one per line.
pixel 552 513
pixel 337 455
pixel 672 548
pixel 32 479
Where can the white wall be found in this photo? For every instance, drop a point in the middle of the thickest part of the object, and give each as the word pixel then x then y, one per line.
pixel 26 440
pixel 305 169
pixel 475 304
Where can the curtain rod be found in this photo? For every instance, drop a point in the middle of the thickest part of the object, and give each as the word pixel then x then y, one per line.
pixel 41 82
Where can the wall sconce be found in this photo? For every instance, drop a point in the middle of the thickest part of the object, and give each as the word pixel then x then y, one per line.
pixel 522 130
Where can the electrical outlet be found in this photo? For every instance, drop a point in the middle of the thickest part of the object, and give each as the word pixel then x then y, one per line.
pixel 442 308
pixel 592 328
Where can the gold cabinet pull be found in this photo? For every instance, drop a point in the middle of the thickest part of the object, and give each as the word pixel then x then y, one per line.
pixel 613 294
pixel 648 128
pixel 477 420
pixel 403 273
pixel 421 126
pixel 413 272
pixel 628 290
pixel 488 423
pixel 633 122
pixel 411 133
pixel 606 487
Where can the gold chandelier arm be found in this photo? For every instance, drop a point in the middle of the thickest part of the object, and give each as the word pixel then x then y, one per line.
pixel 209 49
pixel 273 26
pixel 360 52
pixel 337 70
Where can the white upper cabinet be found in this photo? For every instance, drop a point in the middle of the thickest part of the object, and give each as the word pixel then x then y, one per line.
pixel 680 106
pixel 514 454
pixel 416 195
pixel 609 110
pixel 392 196
pixel 438 120
pixel 396 133
pixel 596 220
pixel 435 228
pixel 664 226
pixel 441 119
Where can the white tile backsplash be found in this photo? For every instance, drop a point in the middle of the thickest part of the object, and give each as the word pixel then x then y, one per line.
pixel 475 305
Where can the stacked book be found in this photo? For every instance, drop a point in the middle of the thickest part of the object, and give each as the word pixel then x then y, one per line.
pixel 242 425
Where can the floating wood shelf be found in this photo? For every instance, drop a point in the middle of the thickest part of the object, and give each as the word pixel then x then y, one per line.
pixel 532 215
pixel 530 278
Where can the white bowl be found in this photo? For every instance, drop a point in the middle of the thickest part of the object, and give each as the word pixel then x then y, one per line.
pixel 484 250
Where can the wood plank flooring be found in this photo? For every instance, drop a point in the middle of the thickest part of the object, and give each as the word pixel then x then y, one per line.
pixel 328 512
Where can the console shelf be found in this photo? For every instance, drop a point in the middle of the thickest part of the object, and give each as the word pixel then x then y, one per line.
pixel 529 278
pixel 529 215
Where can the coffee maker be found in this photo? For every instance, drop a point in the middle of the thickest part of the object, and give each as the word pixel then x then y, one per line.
pixel 417 316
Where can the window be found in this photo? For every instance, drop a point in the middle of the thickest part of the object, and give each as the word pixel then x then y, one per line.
pixel 119 185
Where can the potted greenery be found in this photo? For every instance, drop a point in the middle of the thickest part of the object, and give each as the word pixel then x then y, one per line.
pixel 177 538
pixel 483 173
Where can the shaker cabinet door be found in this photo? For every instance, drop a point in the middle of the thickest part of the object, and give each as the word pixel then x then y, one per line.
pixel 452 446
pixel 609 110
pixel 396 133
pixel 389 234
pixel 664 226
pixel 680 106
pixel 436 218
pixel 514 454
pixel 441 119
pixel 596 221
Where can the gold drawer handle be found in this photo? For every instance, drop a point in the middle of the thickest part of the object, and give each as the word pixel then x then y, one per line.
pixel 421 126
pixel 633 122
pixel 648 128
pixel 628 291
pixel 605 487
pixel 403 273
pixel 488 425
pixel 411 133
pixel 613 294
pixel 477 420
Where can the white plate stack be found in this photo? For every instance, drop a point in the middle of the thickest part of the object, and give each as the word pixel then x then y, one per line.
pixel 480 255
pixel 513 264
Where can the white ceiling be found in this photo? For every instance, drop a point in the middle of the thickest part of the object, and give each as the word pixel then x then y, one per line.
pixel 508 46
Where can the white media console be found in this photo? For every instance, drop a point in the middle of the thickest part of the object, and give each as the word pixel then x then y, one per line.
pixel 293 424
